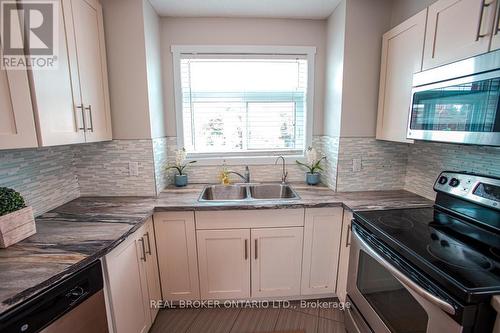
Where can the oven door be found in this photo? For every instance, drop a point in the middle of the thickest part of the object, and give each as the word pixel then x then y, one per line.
pixel 463 110
pixel 390 301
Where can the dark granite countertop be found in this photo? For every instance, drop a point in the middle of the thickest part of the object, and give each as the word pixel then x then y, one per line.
pixel 85 229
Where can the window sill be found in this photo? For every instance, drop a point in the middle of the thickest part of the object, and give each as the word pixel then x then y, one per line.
pixel 243 160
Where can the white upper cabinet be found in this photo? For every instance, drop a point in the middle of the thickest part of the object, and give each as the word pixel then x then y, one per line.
pixel 276 261
pixel 402 50
pixel 57 105
pixel 17 126
pixel 457 29
pixel 495 38
pixel 322 231
pixel 92 70
pixel 71 102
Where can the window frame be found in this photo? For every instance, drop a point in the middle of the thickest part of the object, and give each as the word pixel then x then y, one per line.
pixel 262 157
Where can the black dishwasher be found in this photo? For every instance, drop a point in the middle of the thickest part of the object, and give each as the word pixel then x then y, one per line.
pixel 76 302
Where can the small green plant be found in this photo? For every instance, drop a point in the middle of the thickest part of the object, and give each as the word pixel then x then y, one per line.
pixel 180 161
pixel 313 162
pixel 10 201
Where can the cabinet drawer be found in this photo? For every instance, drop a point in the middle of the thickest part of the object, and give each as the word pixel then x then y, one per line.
pixel 238 219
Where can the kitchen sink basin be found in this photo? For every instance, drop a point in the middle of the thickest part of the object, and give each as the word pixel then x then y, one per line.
pixel 272 191
pixel 224 193
pixel 247 192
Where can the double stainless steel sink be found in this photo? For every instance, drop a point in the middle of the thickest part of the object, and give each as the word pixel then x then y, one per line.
pixel 248 192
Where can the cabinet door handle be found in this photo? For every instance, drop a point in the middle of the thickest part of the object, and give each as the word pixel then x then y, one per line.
pixel 143 249
pixel 497 23
pixel 256 249
pixel 89 108
pixel 82 110
pixel 348 238
pixel 149 243
pixel 246 249
pixel 481 16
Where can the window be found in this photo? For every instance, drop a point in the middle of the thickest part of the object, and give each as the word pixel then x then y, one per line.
pixel 232 102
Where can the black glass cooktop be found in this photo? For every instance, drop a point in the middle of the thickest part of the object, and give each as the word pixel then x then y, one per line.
pixel 462 258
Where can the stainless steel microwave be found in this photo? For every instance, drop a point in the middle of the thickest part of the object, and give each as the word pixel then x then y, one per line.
pixel 458 103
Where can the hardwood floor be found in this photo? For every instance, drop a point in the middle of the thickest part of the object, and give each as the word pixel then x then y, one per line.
pixel 295 319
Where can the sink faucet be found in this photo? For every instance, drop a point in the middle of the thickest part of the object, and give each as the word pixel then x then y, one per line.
pixel 245 177
pixel 284 173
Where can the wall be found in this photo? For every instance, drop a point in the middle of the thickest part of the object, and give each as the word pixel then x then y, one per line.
pixel 366 22
pixel 126 57
pixel 404 9
pixel 132 31
pixel 242 31
pixel 335 40
pixel 152 37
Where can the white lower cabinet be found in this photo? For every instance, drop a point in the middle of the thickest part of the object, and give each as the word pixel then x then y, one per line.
pixel 131 282
pixel 267 254
pixel 177 259
pixel 322 233
pixel 152 273
pixel 223 257
pixel 276 261
pixel 345 247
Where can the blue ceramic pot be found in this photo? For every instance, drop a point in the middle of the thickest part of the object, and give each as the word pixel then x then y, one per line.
pixel 312 178
pixel 181 180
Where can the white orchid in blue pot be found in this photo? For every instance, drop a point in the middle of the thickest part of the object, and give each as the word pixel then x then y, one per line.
pixel 180 165
pixel 313 164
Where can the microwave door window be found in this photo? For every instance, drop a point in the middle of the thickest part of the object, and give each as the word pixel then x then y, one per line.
pixel 469 107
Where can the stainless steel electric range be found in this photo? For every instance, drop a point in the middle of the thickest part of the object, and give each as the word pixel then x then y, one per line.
pixel 428 269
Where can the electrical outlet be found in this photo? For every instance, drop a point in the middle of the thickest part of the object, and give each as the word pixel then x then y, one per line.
pixel 133 169
pixel 356 165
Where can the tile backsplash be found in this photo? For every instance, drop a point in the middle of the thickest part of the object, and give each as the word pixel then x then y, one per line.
pixel 49 177
pixel 366 164
pixel 45 177
pixel 103 168
pixel 427 159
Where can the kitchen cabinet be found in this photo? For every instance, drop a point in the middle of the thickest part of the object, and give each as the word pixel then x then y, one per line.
pixel 248 254
pixel 78 110
pixel 151 264
pixel 59 115
pixel 495 38
pixel 127 285
pixel 402 51
pixel 322 233
pixel 345 247
pixel 224 263
pixel 276 261
pixel 457 29
pixel 92 67
pixel 17 125
pixel 177 258
pixel 130 280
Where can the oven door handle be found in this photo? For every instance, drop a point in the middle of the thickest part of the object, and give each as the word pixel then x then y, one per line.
pixel 407 282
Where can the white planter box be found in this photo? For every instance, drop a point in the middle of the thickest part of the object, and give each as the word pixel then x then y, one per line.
pixel 16 226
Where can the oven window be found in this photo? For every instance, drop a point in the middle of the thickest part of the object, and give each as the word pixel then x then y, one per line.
pixel 400 312
pixel 470 107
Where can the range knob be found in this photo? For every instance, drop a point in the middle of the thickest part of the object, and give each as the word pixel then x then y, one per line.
pixel 443 180
pixel 454 182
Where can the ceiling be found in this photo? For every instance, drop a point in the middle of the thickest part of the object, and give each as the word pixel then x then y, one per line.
pixel 304 9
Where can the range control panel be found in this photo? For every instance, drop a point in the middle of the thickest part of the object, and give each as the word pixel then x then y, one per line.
pixel 476 188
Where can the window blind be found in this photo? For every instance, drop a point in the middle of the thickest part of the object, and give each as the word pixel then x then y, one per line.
pixel 243 104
